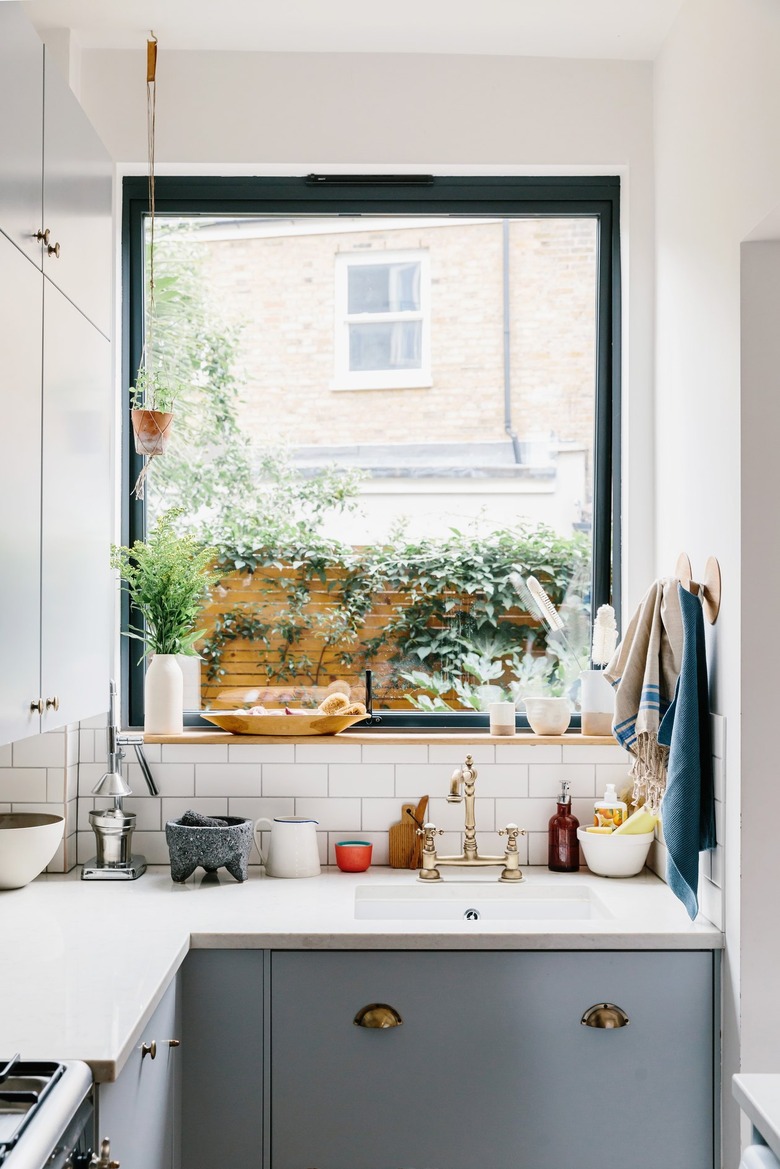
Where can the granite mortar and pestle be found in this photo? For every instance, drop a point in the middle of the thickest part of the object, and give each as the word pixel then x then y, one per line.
pixel 208 842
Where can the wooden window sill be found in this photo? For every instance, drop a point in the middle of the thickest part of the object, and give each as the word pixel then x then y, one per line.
pixel 391 738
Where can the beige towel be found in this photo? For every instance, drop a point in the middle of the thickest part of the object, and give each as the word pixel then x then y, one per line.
pixel 644 672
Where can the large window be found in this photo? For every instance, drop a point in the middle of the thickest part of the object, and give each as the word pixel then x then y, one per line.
pixel 395 399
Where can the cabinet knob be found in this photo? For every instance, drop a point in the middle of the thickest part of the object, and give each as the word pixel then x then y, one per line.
pixel 37 705
pixel 53 703
pixel 606 1015
pixel 174 1042
pixel 104 1161
pixel 149 1049
pixel 377 1015
pixel 43 236
pixel 53 250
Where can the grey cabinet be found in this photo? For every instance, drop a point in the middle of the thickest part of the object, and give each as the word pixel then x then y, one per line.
pixel 223 1098
pixel 140 1112
pixel 491 1064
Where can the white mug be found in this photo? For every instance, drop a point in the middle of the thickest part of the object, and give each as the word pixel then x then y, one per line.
pixel 292 851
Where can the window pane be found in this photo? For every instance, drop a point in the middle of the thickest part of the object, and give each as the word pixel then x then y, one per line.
pixel 391 346
pixel 381 527
pixel 384 288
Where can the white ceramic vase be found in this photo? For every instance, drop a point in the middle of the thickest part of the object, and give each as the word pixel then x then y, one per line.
pixel 164 696
pixel 597 703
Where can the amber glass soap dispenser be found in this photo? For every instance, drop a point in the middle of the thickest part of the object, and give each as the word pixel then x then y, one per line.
pixel 563 848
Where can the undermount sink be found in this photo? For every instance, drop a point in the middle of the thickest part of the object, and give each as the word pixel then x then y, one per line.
pixel 477 902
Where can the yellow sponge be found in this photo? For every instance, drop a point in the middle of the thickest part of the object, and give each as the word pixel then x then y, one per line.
pixel 639 821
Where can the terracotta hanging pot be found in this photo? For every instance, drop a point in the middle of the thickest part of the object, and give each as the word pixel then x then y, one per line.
pixel 151 429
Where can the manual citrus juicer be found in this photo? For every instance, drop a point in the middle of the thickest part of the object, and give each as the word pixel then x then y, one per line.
pixel 113 827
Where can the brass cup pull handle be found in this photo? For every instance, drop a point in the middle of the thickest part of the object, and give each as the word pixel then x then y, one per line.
pixel 37 705
pixel 43 236
pixel 149 1049
pixel 53 250
pixel 378 1015
pixel 606 1015
pixel 53 703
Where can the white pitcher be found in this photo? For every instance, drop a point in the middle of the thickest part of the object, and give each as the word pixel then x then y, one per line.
pixel 292 851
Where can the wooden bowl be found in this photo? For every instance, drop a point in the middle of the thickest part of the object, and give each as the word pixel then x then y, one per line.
pixel 238 722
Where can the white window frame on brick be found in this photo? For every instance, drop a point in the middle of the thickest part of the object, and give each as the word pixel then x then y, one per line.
pixel 381 379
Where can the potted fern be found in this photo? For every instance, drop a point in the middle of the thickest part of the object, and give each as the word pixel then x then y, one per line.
pixel 168 579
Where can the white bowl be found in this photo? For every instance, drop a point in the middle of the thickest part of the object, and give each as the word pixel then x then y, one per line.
pixel 548 716
pixel 28 841
pixel 609 855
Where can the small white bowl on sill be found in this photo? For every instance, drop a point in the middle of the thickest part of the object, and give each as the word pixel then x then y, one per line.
pixel 28 841
pixel 611 855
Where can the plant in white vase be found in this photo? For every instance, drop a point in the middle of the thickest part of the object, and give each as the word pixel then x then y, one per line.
pixel 167 578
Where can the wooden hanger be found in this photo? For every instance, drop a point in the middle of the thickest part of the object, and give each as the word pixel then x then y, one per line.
pixel 709 588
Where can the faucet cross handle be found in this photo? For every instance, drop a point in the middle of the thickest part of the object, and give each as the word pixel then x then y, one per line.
pixel 511 832
pixel 430 832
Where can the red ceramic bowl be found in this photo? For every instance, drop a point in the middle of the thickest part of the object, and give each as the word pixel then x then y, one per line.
pixel 353 856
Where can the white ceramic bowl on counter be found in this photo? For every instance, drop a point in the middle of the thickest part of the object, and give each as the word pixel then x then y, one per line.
pixel 28 841
pixel 611 855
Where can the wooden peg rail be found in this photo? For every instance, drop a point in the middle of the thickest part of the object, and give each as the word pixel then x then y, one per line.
pixel 709 588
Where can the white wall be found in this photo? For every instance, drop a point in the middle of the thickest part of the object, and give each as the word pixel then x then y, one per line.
pixel 293 113
pixel 717 92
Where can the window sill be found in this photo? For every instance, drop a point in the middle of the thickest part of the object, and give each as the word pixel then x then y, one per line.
pixel 392 738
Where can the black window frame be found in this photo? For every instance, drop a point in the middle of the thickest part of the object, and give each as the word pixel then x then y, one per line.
pixel 502 197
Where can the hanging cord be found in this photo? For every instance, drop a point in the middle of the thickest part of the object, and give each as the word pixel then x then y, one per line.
pixel 147 357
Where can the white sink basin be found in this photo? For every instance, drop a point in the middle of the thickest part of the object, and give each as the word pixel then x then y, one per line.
pixel 477 902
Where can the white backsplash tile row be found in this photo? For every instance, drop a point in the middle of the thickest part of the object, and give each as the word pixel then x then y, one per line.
pixel 23 783
pixel 6 755
pixel 544 779
pixel 260 753
pixel 353 779
pixel 239 779
pixel 49 750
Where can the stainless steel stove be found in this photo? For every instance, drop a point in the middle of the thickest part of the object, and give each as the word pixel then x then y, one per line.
pixel 46 1115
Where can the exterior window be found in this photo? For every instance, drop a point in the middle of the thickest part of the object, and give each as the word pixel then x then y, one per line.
pixel 382 321
pixel 391 401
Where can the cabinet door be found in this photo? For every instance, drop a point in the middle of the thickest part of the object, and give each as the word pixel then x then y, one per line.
pixel 20 493
pixel 77 193
pixel 76 581
pixel 139 1112
pixel 21 130
pixel 222 1060
pixel 491 1064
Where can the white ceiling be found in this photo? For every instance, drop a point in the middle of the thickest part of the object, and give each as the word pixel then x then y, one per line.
pixel 631 29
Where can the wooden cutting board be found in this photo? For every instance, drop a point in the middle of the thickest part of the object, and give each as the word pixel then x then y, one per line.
pixel 403 836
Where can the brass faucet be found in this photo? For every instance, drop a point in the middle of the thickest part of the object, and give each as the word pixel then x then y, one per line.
pixel 463 784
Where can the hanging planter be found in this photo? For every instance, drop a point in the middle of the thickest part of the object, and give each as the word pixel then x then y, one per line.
pixel 151 430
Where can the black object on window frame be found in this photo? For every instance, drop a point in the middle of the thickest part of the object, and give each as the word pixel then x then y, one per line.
pixel 495 196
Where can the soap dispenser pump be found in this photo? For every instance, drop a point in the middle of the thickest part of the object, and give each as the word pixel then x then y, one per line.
pixel 563 847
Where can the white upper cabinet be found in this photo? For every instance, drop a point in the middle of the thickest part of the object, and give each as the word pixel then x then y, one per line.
pixel 21 130
pixel 77 186
pixel 77 591
pixel 20 491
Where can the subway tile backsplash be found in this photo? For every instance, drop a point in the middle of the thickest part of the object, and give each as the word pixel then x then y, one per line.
pixel 352 789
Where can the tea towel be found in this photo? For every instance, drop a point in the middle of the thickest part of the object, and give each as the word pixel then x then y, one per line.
pixel 644 672
pixel 688 808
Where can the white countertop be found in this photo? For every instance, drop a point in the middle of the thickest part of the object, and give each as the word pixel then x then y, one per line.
pixel 83 964
pixel 758 1095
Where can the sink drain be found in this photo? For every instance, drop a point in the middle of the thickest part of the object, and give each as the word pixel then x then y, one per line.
pixel 472 915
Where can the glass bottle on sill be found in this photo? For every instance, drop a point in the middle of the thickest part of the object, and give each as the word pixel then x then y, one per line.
pixel 563 847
